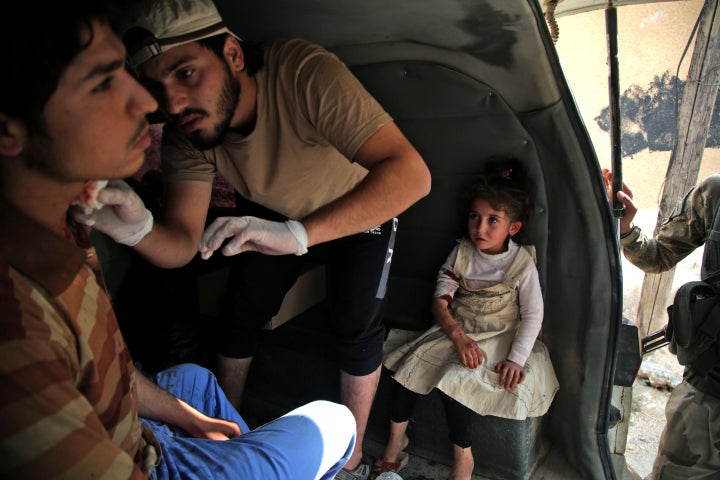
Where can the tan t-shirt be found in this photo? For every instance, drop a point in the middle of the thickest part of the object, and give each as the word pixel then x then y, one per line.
pixel 312 117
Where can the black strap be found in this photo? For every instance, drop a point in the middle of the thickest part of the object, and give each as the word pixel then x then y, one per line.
pixel 706 385
pixel 688 309
pixel 707 359
pixel 711 326
pixel 710 357
pixel 711 255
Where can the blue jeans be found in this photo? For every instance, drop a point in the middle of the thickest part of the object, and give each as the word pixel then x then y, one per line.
pixel 311 442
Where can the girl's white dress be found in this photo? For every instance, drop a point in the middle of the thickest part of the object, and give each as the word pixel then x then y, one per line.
pixel 489 313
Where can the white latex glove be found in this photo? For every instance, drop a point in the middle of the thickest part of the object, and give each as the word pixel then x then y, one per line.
pixel 123 217
pixel 254 234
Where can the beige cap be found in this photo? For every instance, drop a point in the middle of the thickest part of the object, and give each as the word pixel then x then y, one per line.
pixel 160 25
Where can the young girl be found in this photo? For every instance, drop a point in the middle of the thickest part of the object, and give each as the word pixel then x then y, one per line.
pixel 482 354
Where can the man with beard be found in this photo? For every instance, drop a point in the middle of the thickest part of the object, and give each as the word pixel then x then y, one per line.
pixel 320 170
pixel 70 113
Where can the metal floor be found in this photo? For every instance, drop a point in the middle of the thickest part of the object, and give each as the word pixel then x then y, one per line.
pixel 418 468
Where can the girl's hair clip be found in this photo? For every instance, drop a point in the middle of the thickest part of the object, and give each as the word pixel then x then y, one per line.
pixel 506 173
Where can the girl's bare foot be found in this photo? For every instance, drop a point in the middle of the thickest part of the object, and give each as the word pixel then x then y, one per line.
pixel 463 463
pixel 397 442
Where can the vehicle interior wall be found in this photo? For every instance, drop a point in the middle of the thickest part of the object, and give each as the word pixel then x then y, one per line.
pixel 458 123
pixel 468 82
pixel 581 288
pixel 457 46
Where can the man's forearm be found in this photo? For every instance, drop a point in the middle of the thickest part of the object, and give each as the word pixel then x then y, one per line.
pixel 388 190
pixel 167 247
pixel 155 403
pixel 175 237
pixel 649 254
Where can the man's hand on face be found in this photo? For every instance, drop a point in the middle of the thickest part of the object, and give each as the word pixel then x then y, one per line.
pixel 123 217
pixel 254 234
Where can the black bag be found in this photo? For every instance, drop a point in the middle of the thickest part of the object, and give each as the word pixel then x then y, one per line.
pixel 694 324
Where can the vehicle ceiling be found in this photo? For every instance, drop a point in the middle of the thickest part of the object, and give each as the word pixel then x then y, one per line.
pixel 498 36
pixel 502 34
pixel 568 7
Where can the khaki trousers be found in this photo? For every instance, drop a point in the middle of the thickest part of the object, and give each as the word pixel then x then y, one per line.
pixel 690 445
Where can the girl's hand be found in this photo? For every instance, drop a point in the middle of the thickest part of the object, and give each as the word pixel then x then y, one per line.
pixel 510 374
pixel 470 354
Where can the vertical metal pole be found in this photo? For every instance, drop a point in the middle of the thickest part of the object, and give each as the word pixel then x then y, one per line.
pixel 621 395
pixel 614 90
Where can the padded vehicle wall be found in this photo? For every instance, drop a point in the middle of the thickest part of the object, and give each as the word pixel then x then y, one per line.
pixel 466 81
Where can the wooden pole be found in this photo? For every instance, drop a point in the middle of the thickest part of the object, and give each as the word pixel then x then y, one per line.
pixel 696 109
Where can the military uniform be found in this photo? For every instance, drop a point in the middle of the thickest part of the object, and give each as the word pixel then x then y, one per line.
pixel 690 444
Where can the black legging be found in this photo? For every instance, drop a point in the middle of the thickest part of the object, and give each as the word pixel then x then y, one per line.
pixel 459 417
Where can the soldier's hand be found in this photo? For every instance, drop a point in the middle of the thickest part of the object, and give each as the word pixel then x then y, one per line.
pixel 626 198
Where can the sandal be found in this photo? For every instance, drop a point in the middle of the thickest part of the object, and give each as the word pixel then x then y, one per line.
pixel 381 466
pixel 362 472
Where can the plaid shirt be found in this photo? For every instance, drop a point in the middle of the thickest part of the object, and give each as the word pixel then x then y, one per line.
pixel 69 402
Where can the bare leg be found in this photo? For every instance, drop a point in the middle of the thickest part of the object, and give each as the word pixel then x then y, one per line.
pixel 397 441
pixel 357 393
pixel 232 374
pixel 463 463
